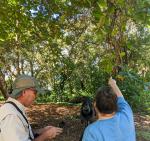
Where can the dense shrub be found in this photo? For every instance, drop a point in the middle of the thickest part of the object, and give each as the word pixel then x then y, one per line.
pixel 132 87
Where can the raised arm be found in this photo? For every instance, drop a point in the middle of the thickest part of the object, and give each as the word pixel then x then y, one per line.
pixel 114 87
pixel 123 105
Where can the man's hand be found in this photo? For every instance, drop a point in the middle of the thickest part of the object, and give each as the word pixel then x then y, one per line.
pixel 42 130
pixel 48 132
pixel 112 82
pixel 51 132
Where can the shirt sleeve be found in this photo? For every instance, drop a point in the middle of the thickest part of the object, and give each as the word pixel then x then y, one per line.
pixel 124 107
pixel 12 128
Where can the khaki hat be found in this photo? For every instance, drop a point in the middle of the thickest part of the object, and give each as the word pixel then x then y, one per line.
pixel 23 82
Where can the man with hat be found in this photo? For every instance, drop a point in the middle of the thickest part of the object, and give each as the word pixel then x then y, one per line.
pixel 13 120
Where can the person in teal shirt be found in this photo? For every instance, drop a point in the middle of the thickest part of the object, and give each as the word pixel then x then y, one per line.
pixel 114 116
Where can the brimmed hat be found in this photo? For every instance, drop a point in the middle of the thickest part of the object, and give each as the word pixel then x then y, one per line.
pixel 23 82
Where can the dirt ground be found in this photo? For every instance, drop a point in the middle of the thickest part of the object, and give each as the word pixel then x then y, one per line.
pixel 51 114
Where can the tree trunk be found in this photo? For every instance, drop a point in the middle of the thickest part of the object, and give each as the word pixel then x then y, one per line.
pixel 3 86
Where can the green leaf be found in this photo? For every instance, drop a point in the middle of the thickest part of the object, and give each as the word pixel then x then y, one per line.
pixel 122 54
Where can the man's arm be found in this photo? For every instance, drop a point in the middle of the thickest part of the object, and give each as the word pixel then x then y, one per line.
pixel 48 132
pixel 123 105
pixel 114 87
pixel 13 128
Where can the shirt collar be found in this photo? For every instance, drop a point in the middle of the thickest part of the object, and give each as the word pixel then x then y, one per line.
pixel 20 106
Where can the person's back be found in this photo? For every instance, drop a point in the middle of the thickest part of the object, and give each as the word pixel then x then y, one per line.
pixel 116 127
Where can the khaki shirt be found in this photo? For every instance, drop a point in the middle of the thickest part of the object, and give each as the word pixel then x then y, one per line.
pixel 13 126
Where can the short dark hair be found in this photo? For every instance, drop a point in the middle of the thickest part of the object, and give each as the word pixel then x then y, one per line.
pixel 106 100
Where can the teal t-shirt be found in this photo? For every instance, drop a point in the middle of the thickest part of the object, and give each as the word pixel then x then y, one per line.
pixel 118 128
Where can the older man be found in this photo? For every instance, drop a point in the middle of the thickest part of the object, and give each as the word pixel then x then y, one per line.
pixel 13 120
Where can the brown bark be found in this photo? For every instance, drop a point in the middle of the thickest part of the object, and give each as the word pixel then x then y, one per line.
pixel 2 86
